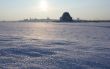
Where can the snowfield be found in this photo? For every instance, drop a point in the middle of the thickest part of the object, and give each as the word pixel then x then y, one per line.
pixel 54 45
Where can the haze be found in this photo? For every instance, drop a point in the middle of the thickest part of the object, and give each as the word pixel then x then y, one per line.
pixel 83 9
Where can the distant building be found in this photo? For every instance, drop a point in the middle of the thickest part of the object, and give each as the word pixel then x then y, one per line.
pixel 66 17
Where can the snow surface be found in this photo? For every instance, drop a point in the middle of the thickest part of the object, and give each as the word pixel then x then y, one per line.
pixel 54 45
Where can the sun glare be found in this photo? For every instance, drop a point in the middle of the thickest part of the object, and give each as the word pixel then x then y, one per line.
pixel 43 5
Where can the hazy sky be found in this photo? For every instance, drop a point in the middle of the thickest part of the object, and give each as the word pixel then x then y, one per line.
pixel 84 9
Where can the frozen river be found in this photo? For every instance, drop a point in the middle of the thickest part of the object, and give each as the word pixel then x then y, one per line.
pixel 54 45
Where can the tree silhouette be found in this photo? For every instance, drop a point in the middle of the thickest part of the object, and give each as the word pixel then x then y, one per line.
pixel 66 17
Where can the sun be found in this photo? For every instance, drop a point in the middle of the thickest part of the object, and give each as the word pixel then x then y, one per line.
pixel 44 5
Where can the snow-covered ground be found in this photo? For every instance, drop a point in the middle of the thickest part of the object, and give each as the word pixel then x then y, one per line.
pixel 54 46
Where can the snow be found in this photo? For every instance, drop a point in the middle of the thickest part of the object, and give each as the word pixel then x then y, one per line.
pixel 54 45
